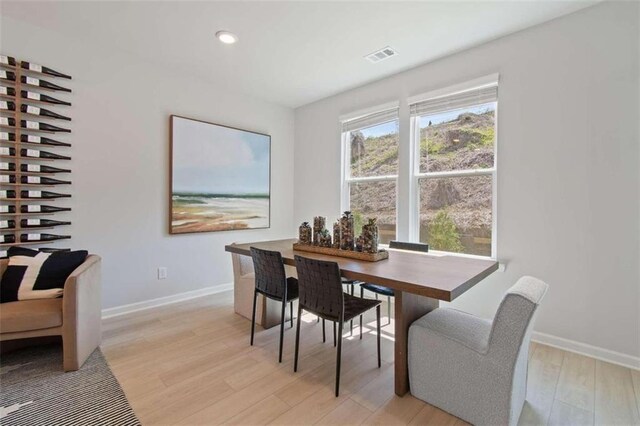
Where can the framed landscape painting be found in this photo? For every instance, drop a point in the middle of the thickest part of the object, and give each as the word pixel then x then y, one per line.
pixel 220 177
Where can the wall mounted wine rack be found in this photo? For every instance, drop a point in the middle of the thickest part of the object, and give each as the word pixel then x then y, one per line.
pixel 32 115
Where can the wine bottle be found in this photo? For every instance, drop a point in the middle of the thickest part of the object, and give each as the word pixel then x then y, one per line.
pixel 42 83
pixel 42 237
pixel 52 249
pixel 7 106
pixel 42 140
pixel 7 224
pixel 7 121
pixel 7 91
pixel 39 208
pixel 7 209
pixel 42 69
pixel 42 98
pixel 36 125
pixel 6 151
pixel 7 193
pixel 7 75
pixel 9 167
pixel 34 153
pixel 38 180
pixel 5 136
pixel 7 239
pixel 33 110
pixel 42 194
pixel 37 168
pixel 8 60
pixel 41 223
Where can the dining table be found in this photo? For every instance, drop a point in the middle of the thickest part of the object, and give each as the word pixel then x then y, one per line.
pixel 419 280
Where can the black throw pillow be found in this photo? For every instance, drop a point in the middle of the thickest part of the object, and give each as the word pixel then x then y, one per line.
pixel 32 274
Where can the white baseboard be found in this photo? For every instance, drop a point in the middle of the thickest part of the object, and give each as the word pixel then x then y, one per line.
pixel 161 301
pixel 588 350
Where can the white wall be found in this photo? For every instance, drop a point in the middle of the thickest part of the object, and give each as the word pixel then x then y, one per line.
pixel 120 111
pixel 568 179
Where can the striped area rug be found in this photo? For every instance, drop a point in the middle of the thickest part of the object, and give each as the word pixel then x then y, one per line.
pixel 34 390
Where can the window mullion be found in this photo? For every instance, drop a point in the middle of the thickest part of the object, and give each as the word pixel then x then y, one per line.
pixel 456 173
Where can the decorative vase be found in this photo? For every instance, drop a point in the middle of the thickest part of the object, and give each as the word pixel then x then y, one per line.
pixel 304 233
pixel 370 236
pixel 318 226
pixel 347 237
pixel 325 238
pixel 336 234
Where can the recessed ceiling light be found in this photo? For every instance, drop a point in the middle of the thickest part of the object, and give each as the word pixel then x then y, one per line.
pixel 226 37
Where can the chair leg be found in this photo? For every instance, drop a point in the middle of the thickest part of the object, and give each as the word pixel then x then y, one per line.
pixel 291 312
pixel 253 316
pixel 388 310
pixel 378 332
pixel 361 296
pixel 318 320
pixel 334 334
pixel 324 335
pixel 295 359
pixel 351 321
pixel 282 321
pixel 338 360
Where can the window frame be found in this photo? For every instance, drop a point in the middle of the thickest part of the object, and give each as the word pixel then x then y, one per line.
pixel 409 146
pixel 417 175
pixel 346 178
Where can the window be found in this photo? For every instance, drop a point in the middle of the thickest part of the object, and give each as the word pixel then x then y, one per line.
pixel 454 172
pixel 446 164
pixel 370 169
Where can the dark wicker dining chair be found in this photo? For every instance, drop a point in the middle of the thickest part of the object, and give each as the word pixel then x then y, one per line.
pixel 272 282
pixel 386 291
pixel 321 294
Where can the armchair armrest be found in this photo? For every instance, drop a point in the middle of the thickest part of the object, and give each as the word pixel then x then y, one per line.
pixel 81 313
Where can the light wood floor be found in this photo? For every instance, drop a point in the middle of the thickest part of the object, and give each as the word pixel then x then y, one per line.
pixel 191 363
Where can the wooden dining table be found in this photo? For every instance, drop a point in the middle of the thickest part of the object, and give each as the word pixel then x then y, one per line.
pixel 420 281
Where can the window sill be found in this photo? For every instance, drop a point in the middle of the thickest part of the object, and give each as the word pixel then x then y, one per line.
pixel 446 253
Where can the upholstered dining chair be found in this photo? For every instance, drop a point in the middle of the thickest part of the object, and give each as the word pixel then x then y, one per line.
pixel 386 291
pixel 474 368
pixel 321 293
pixel 272 282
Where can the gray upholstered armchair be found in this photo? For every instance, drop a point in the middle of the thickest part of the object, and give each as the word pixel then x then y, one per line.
pixel 474 368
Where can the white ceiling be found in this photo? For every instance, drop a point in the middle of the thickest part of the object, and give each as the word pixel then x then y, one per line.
pixel 289 53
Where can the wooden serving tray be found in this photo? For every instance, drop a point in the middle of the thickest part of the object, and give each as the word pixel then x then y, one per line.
pixel 369 257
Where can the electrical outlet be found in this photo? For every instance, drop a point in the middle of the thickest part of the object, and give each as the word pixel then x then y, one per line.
pixel 162 273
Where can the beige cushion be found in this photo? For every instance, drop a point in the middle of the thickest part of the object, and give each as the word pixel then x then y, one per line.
pixel 29 315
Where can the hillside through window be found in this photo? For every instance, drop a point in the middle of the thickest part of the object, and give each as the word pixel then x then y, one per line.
pixel 455 178
pixel 371 173
pixel 444 164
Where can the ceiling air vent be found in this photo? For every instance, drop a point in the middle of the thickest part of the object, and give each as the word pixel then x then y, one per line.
pixel 381 55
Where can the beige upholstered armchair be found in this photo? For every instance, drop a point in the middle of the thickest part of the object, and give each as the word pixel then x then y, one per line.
pixel 244 284
pixel 76 316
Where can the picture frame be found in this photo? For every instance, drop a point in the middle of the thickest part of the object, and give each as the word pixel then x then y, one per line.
pixel 219 179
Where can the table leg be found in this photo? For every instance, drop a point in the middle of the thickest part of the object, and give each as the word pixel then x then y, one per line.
pixel 409 307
